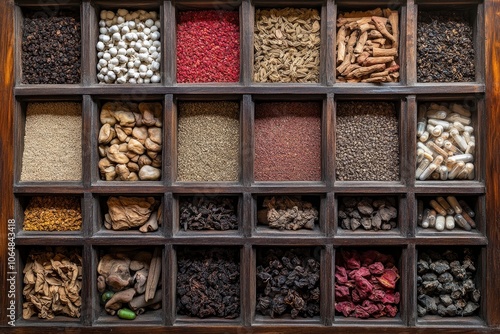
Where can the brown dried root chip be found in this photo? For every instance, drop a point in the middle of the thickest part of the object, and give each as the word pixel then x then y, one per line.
pixel 53 280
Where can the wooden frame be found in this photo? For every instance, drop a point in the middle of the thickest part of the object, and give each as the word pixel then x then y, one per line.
pixel 484 190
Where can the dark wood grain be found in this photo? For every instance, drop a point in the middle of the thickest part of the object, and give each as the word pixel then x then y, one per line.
pixel 6 141
pixel 169 43
pixel 492 158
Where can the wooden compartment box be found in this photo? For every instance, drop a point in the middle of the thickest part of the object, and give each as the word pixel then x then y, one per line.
pixel 248 189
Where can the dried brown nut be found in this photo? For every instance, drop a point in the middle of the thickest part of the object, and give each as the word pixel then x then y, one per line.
pixel 135 146
pixel 140 133
pixel 149 173
pixel 106 134
pixel 114 155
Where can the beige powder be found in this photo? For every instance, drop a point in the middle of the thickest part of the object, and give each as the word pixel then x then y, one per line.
pixel 52 142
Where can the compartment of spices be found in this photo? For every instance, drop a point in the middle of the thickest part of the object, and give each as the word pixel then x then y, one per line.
pixel 128 46
pixel 450 213
pixel 130 140
pixel 367 46
pixel 129 214
pixel 52 282
pixel 208 141
pixel 208 284
pixel 51 136
pixel 50 45
pixel 286 45
pixel 208 45
pixel 51 213
pixel 288 141
pixel 128 285
pixel 288 284
pixel 368 284
pixel 449 284
pixel 448 140
pixel 360 214
pixel 213 214
pixel 291 214
pixel 367 141
pixel 446 43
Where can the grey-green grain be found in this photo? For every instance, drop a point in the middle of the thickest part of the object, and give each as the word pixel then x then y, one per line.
pixel 208 141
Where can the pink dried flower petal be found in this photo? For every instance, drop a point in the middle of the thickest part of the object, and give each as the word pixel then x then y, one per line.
pixel 391 298
pixel 376 268
pixel 340 275
pixel 342 292
pixel 361 313
pixel 346 308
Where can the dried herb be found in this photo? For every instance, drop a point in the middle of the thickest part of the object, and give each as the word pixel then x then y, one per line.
pixel 446 283
pixel 365 284
pixel 208 282
pixel 288 283
pixel 208 213
pixel 53 213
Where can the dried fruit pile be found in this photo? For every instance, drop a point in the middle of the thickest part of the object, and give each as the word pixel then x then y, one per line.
pixel 369 213
pixel 365 284
pixel 51 50
pixel 446 283
pixel 208 46
pixel 53 213
pixel 288 283
pixel 208 283
pixel 130 141
pixel 288 213
pixel 287 141
pixel 208 213
pixel 445 46
pixel 286 45
pixel 52 283
pixel 367 141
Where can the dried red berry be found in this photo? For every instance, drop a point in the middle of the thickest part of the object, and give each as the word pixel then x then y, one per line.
pixel 208 46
